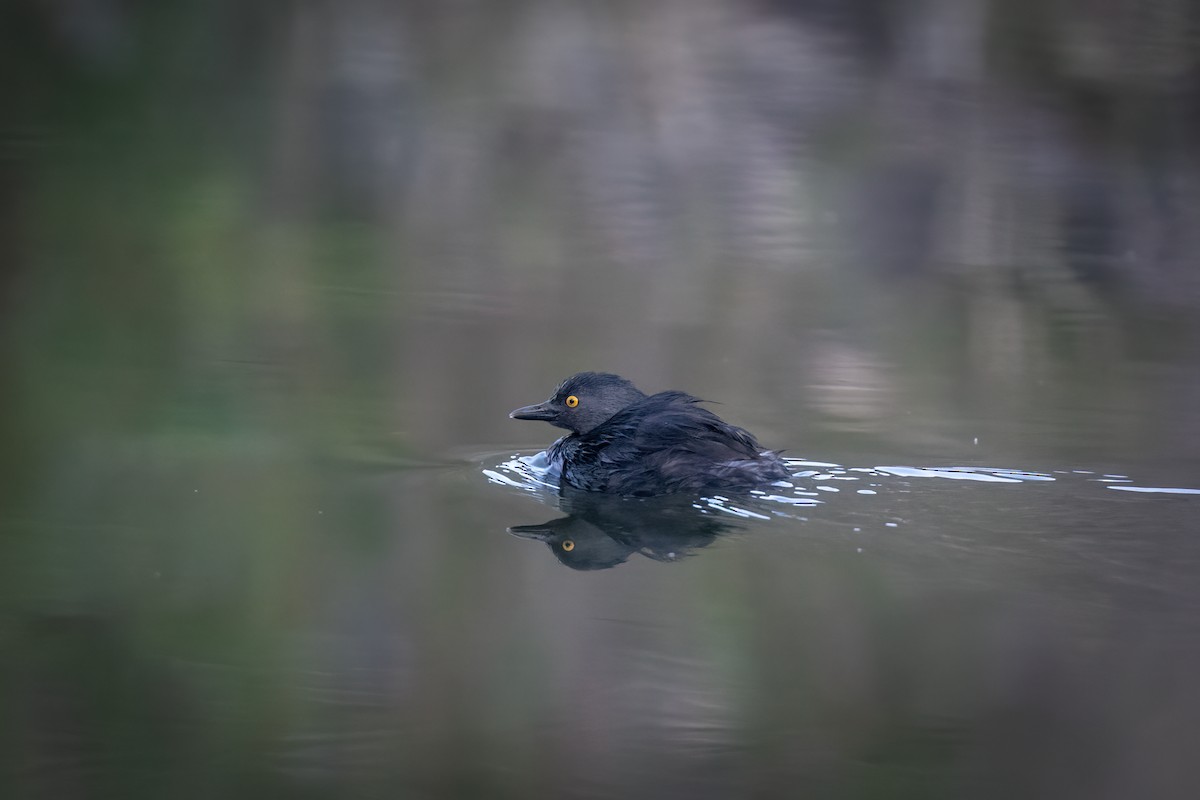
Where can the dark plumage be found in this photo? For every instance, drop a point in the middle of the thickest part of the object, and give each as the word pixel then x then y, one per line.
pixel 623 442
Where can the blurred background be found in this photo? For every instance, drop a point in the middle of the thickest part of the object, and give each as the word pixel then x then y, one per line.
pixel 272 275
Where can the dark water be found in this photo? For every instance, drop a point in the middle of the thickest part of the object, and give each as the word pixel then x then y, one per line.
pixel 271 278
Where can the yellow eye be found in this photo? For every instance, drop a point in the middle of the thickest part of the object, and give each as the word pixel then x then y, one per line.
pixel 568 545
pixel 572 401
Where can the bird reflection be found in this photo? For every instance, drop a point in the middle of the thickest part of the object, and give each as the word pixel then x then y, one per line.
pixel 602 531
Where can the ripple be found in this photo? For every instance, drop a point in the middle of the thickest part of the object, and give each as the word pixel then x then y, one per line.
pixel 950 473
pixel 809 487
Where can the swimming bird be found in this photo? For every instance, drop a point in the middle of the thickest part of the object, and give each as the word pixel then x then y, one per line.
pixel 625 442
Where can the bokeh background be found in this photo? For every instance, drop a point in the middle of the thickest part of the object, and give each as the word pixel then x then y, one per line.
pixel 273 273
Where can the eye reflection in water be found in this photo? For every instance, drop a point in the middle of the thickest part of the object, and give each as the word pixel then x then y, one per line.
pixel 602 531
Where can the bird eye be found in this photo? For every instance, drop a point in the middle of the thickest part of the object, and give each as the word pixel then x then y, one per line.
pixel 567 544
pixel 572 401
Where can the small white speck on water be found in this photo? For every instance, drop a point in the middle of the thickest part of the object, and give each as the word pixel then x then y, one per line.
pixel 891 524
pixel 827 489
pixel 858 530
pixel 858 549
pixel 866 491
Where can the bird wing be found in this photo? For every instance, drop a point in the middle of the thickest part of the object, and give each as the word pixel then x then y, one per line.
pixel 667 440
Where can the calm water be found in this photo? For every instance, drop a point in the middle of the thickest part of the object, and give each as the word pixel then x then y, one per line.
pixel 271 281
pixel 235 622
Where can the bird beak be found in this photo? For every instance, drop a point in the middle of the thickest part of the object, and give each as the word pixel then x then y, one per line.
pixel 539 533
pixel 540 411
